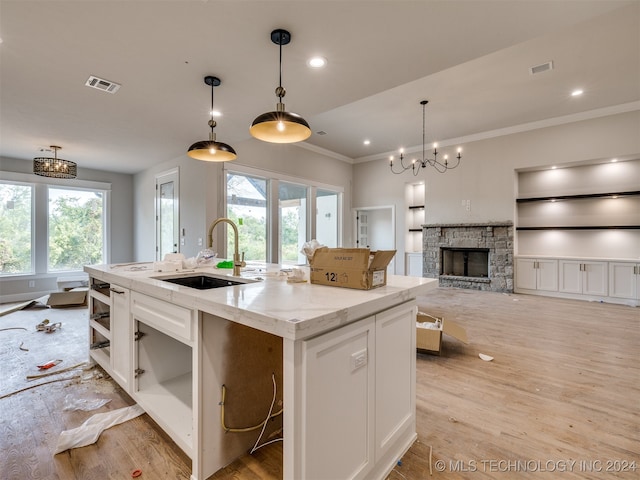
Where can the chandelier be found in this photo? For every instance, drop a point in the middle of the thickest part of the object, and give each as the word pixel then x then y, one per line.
pixel 415 165
pixel 54 167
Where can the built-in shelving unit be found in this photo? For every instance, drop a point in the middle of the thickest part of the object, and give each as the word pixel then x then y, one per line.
pixel 415 218
pixel 580 220
pixel 577 197
pixel 100 324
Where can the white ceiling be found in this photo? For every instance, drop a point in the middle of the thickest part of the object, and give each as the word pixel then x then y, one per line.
pixel 470 59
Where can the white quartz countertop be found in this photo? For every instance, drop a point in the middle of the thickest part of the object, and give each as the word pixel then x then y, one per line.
pixel 271 304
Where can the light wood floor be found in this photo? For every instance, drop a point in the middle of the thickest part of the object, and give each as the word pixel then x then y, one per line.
pixel 561 399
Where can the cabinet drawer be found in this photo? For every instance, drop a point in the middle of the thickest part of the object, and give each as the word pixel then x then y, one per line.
pixel 166 317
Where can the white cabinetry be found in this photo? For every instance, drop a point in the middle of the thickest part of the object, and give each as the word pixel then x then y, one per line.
pixel 121 333
pixel 413 267
pixel 110 330
pixel 163 366
pixel 624 281
pixel 588 218
pixel 537 274
pixel 362 375
pixel 583 277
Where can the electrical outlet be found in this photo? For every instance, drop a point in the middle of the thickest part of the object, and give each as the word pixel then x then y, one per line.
pixel 32 284
pixel 199 242
pixel 358 359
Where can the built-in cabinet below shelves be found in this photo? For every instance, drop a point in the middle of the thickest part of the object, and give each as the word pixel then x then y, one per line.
pixel 536 274
pixel 583 279
pixel 413 264
pixel 624 281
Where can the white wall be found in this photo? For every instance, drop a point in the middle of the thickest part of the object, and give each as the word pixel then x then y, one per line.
pixel 487 174
pixel 202 183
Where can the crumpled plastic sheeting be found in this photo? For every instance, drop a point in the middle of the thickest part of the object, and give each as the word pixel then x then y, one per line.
pixel 72 403
pixel 90 430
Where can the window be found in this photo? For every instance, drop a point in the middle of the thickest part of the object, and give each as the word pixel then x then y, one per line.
pixel 274 215
pixel 247 207
pixel 76 229
pixel 50 226
pixel 16 229
pixel 292 213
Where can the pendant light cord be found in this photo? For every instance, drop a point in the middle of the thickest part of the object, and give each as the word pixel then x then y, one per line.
pixel 211 124
pixel 280 90
pixel 423 132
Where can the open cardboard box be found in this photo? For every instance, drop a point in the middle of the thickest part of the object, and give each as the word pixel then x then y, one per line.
pixel 350 267
pixel 429 340
pixel 71 298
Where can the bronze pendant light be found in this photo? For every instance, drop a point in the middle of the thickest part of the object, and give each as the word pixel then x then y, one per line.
pixel 54 167
pixel 280 126
pixel 212 150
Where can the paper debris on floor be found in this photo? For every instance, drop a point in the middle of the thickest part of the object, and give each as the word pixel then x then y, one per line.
pixel 89 432
pixel 486 358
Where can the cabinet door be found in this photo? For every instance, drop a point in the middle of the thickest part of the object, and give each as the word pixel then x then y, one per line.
pixel 395 376
pixel 526 274
pixel 594 278
pixel 547 275
pixel 570 276
pixel 339 370
pixel 414 264
pixel 121 328
pixel 623 280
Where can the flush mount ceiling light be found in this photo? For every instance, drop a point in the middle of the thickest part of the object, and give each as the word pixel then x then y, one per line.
pixel 280 126
pixel 211 150
pixel 54 167
pixel 415 165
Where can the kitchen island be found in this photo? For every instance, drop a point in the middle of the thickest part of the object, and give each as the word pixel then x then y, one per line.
pixel 330 370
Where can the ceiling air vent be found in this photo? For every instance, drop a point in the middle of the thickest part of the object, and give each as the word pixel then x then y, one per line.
pixel 543 67
pixel 102 84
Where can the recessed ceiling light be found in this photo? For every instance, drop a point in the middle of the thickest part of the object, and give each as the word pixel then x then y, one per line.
pixel 317 62
pixel 614 160
pixel 554 167
pixel 367 142
pixel 577 93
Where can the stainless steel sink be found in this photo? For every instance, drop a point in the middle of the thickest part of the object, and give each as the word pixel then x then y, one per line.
pixel 204 282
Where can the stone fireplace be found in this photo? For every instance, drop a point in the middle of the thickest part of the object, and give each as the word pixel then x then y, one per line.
pixel 474 256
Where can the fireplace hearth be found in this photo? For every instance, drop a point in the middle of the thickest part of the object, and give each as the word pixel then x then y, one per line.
pixel 474 256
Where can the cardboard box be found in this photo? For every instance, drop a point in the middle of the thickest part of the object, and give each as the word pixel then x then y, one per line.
pixel 72 298
pixel 429 340
pixel 350 267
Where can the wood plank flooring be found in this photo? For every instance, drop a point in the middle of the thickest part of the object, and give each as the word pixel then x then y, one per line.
pixel 559 400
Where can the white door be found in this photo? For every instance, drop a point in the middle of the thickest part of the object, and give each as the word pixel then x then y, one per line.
pixel 376 230
pixel 167 213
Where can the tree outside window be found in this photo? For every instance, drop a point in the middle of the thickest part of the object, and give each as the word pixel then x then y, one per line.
pixel 16 215
pixel 76 229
